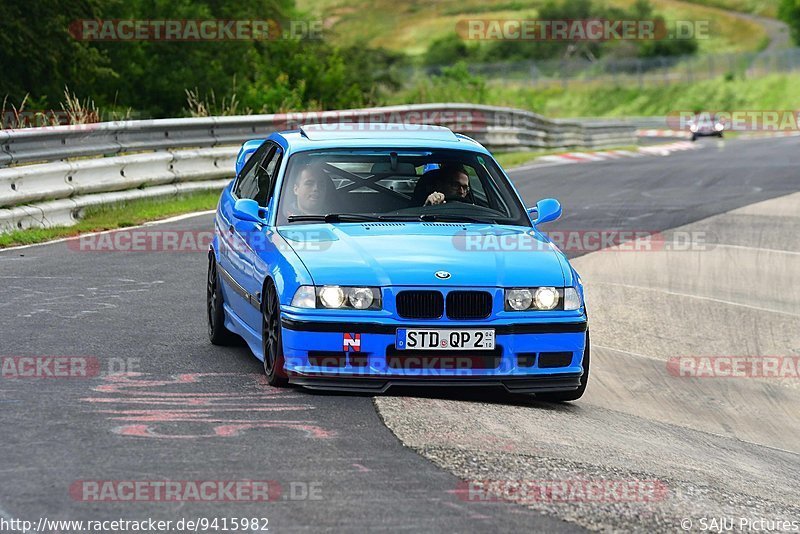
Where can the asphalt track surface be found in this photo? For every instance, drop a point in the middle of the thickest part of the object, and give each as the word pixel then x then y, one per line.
pixel 197 412
pixel 663 409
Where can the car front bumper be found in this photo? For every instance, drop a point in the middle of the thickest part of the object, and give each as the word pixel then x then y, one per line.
pixel 534 356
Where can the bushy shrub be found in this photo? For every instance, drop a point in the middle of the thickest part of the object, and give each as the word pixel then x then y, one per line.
pixel 452 48
pixel 789 12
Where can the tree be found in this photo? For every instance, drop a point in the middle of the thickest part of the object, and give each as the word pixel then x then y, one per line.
pixel 789 12
pixel 446 51
pixel 39 56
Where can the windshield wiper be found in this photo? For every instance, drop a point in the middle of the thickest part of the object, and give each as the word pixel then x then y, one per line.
pixel 359 217
pixel 436 217
pixel 333 218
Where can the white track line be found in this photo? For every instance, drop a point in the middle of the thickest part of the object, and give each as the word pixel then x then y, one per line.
pixel 149 223
pixel 532 166
pixel 638 355
pixel 698 297
pixel 698 245
pixel 588 156
pixel 567 158
pixel 744 247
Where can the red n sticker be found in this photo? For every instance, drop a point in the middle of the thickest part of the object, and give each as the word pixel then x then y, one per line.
pixel 351 342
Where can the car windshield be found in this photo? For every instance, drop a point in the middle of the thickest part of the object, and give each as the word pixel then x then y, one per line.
pixel 399 185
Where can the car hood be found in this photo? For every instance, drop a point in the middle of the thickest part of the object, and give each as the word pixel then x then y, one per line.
pixel 409 254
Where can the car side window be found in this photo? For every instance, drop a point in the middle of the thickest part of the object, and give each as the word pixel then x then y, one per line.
pixel 478 194
pixel 265 176
pixel 247 184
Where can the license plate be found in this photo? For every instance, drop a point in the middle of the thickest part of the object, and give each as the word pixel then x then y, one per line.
pixel 436 339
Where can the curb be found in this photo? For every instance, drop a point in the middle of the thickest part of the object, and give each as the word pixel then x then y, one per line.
pixel 588 157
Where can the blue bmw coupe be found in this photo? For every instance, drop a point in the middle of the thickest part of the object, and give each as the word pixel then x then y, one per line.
pixel 357 257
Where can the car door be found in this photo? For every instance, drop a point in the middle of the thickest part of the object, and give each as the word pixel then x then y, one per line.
pixel 254 238
pixel 233 250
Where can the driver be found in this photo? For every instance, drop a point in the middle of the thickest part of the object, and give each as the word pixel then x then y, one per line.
pixel 311 191
pixel 452 182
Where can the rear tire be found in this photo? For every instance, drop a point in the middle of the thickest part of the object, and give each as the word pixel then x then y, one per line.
pixel 563 396
pixel 218 334
pixel 272 338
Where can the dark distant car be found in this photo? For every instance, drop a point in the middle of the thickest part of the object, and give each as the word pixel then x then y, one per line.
pixel 705 125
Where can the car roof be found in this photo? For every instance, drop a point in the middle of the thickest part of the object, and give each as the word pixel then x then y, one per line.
pixel 327 132
pixel 373 135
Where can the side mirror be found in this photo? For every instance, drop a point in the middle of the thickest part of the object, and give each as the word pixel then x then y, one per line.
pixel 245 152
pixel 247 209
pixel 547 210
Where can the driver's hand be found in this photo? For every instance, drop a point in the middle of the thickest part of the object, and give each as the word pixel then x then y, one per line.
pixel 435 198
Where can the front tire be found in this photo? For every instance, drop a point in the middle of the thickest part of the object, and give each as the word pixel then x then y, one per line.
pixel 272 339
pixel 563 396
pixel 218 334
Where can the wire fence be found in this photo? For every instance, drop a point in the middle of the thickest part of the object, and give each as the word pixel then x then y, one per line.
pixel 638 71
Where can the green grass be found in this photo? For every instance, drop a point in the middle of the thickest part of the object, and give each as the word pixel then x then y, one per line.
pixel 772 92
pixel 116 216
pixel 509 160
pixel 764 8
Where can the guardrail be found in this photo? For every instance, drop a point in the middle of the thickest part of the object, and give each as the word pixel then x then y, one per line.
pixel 653 126
pixel 48 176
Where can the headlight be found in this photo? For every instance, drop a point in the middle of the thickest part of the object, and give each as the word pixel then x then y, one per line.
pixel 305 297
pixel 338 297
pixel 572 300
pixel 542 299
pixel 360 298
pixel 693 127
pixel 545 298
pixel 332 296
pixel 519 299
pixel 719 127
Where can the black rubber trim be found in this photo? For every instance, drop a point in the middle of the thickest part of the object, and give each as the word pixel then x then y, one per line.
pixel 254 300
pixel 542 328
pixel 531 384
pixel 376 328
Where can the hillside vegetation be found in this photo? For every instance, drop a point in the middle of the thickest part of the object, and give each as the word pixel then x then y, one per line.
pixel 410 27
pixel 773 92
